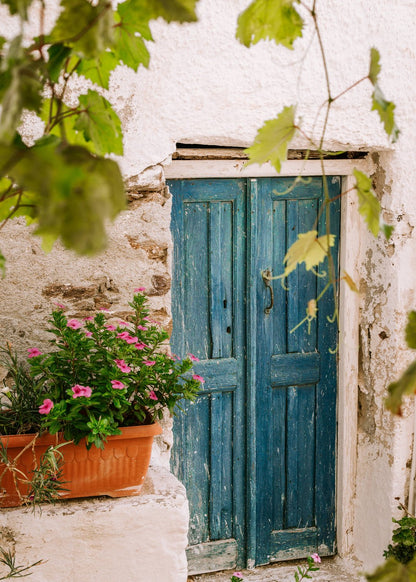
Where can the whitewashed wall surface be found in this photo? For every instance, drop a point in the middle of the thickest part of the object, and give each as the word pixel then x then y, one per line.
pixel 204 87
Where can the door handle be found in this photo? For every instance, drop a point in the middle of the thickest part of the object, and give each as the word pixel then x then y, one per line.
pixel 266 276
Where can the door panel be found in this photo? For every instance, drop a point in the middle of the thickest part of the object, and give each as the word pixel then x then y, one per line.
pixel 208 224
pixel 260 440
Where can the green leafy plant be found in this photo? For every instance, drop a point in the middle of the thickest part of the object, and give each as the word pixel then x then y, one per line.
pixel 299 574
pixel 63 183
pixel 100 375
pixel 403 546
pixel 8 559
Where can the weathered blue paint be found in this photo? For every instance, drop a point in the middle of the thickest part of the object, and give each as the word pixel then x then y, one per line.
pixel 257 450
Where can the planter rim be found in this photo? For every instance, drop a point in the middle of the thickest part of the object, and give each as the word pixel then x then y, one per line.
pixel 127 432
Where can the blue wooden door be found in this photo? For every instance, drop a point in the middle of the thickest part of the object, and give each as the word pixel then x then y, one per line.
pixel 256 451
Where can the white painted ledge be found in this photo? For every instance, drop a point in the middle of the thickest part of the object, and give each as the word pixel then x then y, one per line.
pixel 131 539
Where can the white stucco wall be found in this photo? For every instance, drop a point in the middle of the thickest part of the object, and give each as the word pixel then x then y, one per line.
pixel 204 87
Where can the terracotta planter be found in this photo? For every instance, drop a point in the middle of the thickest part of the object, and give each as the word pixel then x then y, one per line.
pixel 118 470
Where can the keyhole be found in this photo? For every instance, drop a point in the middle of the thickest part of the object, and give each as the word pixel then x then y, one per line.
pixel 225 304
pixel 228 329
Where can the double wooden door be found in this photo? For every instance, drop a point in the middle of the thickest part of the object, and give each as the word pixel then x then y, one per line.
pixel 256 451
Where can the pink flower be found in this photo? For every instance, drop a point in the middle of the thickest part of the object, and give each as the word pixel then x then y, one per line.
pixel 198 378
pixel 79 390
pixel 60 306
pixel 316 558
pixel 152 395
pixel 193 358
pixel 46 407
pixel 33 353
pixel 149 362
pixel 110 327
pixel 131 340
pixel 88 334
pixel 74 324
pixel 238 575
pixel 104 309
pixel 146 318
pixel 117 385
pixel 121 365
pixel 122 323
pixel 123 335
pixel 142 327
pixel 140 289
pixel 140 346
pixel 89 318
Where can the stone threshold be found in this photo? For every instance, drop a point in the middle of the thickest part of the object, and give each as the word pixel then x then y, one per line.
pixel 331 570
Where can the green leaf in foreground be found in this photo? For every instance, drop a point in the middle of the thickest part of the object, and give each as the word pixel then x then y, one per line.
pixel 272 140
pixel 368 205
pixel 2 265
pixel 307 249
pixel 405 386
pixel 19 7
pixel 100 124
pixel 169 10
pixel 74 193
pixel 90 33
pixel 98 70
pixel 58 53
pixel 375 67
pixel 385 109
pixel 411 330
pixel 393 571
pixel 276 20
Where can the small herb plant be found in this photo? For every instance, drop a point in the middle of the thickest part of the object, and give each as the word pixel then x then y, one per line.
pixel 300 573
pixel 100 376
pixel 403 548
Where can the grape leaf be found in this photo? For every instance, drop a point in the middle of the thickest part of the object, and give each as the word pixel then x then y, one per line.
pixel 130 12
pixel 385 109
pixel 100 124
pixel 23 92
pixel 405 386
pixel 272 140
pixel 411 330
pixel 19 7
pixel 58 53
pixel 74 192
pixel 169 10
pixel 368 205
pixel 393 571
pixel 276 20
pixel 99 69
pixel 375 67
pixel 90 33
pixel 129 48
pixel 307 249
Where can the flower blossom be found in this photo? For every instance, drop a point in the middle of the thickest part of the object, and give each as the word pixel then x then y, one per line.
pixel 110 327
pixel 117 385
pixel 122 323
pixel 123 335
pixel 152 395
pixel 238 575
pixel 140 289
pixel 149 362
pixel 34 352
pixel 198 378
pixel 142 327
pixel 316 558
pixel 88 334
pixel 193 358
pixel 79 390
pixel 104 309
pixel 121 365
pixel 74 324
pixel 89 318
pixel 141 346
pixel 46 406
pixel 60 306
pixel 131 340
